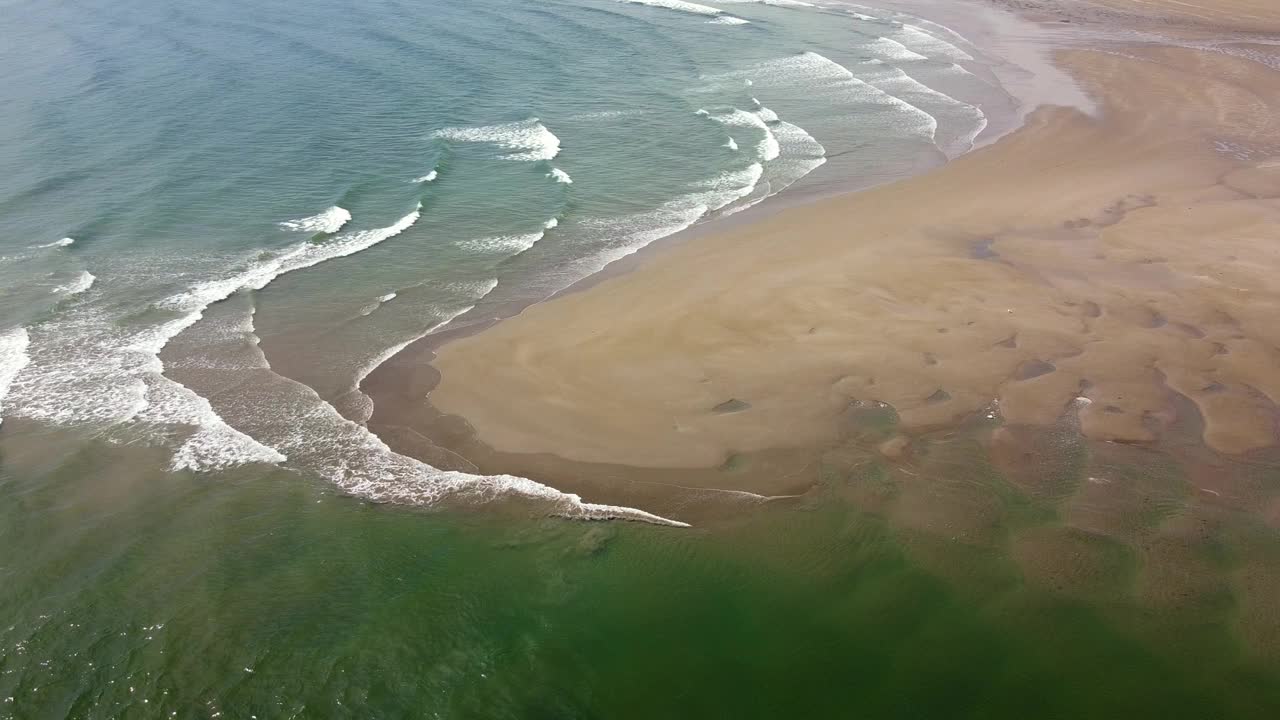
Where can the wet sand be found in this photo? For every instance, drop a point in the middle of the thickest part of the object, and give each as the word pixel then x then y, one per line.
pixel 1094 269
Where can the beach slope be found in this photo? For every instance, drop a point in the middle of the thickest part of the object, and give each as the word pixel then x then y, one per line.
pixel 1100 266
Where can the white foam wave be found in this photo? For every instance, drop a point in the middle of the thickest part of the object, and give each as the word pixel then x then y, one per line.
pixel 292 417
pixel 778 3
pixel 213 444
pixel 506 244
pixel 731 144
pixel 932 45
pixel 88 371
pixel 798 143
pixel 719 16
pixel 768 148
pixel 892 50
pixel 918 33
pixel 617 237
pixel 680 5
pixel 827 76
pixel 527 140
pixel 83 282
pixel 364 409
pixel 358 462
pixel 607 114
pixel 330 220
pixel 821 76
pixel 560 176
pixel 13 358
pixel 801 154
pixel 897 83
pixel 64 242
pixel 426 178
pixel 301 256
pixel 726 187
pixel 808 68
pixel 628 234
pixel 379 302
pixel 509 244
pixel 477 290
pixel 390 352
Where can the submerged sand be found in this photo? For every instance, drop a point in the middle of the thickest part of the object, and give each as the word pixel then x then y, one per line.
pixel 1095 266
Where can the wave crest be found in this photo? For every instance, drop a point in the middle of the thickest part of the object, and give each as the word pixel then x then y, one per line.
pixel 527 140
pixel 329 220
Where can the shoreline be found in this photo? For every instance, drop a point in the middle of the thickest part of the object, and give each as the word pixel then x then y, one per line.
pixel 671 444
pixel 1034 50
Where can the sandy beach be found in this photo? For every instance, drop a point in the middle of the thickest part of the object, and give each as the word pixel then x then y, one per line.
pixel 640 359
pixel 1093 268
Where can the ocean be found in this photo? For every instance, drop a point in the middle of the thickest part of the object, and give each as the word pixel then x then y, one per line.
pixel 217 218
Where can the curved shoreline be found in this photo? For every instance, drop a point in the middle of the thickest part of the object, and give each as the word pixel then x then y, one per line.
pixel 662 427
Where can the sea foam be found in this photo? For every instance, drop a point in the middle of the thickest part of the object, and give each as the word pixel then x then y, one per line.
pixel 330 220
pixel 509 244
pixel 719 16
pixel 322 443
pixel 81 283
pixel 87 370
pixel 917 33
pixel 823 75
pixel 680 5
pixel 361 405
pixel 504 244
pixel 13 358
pixel 379 302
pixel 727 187
pixel 64 242
pixel 932 45
pixel 214 444
pixel 527 140
pixel 777 3
pixel 346 454
pixel 892 50
pixel 768 148
pixel 560 176
pixel 429 177
pixel 897 83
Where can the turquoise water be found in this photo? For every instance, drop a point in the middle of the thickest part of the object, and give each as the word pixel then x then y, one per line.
pixel 217 218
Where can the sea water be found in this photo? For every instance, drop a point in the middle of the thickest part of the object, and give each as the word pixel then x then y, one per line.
pixel 216 218
pixel 314 161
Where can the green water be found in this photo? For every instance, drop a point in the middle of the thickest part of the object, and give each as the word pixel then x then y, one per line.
pixel 880 595
pixel 186 316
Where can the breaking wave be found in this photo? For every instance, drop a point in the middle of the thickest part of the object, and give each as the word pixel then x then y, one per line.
pixel 527 140
pixel 13 358
pixel 330 220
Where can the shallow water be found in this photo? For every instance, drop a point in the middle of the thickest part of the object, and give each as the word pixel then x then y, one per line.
pixel 218 219
pixel 944 587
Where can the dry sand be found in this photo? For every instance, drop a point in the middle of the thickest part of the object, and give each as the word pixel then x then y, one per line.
pixel 1240 15
pixel 1090 265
